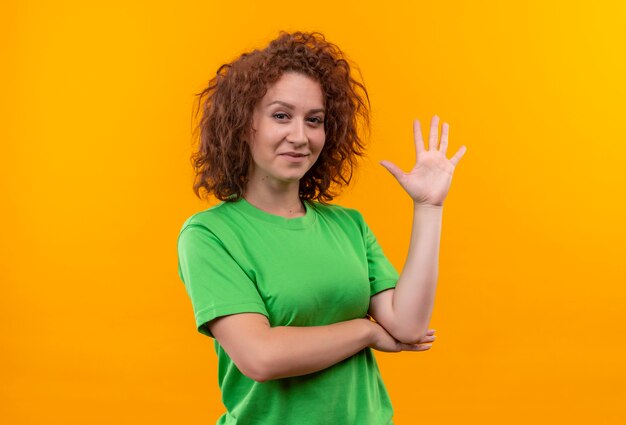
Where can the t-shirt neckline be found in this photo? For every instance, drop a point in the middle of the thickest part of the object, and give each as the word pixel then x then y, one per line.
pixel 288 223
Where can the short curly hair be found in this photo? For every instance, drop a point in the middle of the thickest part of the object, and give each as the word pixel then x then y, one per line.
pixel 222 159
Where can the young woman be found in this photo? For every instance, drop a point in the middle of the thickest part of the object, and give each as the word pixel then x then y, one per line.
pixel 286 283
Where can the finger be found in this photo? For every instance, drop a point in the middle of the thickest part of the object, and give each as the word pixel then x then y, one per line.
pixel 434 133
pixel 417 138
pixel 458 155
pixel 430 332
pixel 393 169
pixel 444 137
pixel 416 347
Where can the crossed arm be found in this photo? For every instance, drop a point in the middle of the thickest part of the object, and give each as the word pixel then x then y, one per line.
pixel 402 314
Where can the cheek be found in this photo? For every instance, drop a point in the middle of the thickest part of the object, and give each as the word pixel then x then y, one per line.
pixel 321 145
pixel 317 150
pixel 320 141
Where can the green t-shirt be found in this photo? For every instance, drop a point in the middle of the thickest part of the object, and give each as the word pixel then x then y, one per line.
pixel 313 270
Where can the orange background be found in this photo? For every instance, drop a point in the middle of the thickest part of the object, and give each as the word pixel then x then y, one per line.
pixel 96 183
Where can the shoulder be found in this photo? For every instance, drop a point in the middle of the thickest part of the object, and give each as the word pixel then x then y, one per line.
pixel 208 221
pixel 339 213
pixel 205 217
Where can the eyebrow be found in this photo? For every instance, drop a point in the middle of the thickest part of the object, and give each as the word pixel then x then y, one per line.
pixel 290 106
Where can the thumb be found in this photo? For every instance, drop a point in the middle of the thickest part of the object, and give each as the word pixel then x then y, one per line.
pixel 392 168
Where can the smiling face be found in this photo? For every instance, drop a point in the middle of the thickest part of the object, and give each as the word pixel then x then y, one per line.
pixel 287 131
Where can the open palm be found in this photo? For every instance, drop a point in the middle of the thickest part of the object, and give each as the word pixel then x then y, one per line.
pixel 429 181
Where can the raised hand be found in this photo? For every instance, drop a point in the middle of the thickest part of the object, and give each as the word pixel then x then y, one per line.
pixel 429 181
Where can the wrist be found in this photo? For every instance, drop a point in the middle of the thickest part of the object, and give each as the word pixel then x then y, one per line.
pixel 369 333
pixel 423 206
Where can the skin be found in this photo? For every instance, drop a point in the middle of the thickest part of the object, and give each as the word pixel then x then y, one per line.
pixel 289 119
pixel 295 125
pixel 405 311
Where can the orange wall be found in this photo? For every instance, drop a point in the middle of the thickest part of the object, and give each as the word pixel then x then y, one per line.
pixel 96 182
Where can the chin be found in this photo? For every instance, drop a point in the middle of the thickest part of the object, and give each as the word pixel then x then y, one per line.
pixel 291 179
pixel 294 175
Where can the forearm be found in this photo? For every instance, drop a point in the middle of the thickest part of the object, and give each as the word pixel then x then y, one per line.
pixel 414 295
pixel 293 351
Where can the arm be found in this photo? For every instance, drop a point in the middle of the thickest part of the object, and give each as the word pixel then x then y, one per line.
pixel 406 310
pixel 213 280
pixel 263 353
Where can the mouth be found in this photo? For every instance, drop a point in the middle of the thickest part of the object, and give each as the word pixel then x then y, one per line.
pixel 295 157
pixel 295 154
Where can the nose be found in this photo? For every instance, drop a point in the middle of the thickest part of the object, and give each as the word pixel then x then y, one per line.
pixel 298 133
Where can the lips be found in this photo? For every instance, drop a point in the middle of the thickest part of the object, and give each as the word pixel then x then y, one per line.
pixel 294 157
pixel 294 154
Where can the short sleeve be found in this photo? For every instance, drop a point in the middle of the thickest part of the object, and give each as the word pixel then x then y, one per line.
pixel 215 283
pixel 382 274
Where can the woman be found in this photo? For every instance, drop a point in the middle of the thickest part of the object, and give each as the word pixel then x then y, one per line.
pixel 281 279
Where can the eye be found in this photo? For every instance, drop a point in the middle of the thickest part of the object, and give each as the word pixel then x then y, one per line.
pixel 317 120
pixel 280 115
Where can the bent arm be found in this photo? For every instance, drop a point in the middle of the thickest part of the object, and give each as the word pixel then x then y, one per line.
pixel 405 311
pixel 263 353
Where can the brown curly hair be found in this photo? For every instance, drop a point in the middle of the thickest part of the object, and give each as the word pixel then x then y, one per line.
pixel 222 159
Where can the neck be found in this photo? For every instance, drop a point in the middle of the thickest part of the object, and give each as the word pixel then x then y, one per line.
pixel 279 200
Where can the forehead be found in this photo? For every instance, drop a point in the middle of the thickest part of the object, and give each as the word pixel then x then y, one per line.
pixel 296 89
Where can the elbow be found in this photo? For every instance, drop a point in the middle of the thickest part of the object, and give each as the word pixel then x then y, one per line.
pixel 257 368
pixel 258 374
pixel 409 335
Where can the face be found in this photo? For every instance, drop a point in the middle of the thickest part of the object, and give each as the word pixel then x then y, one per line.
pixel 287 131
